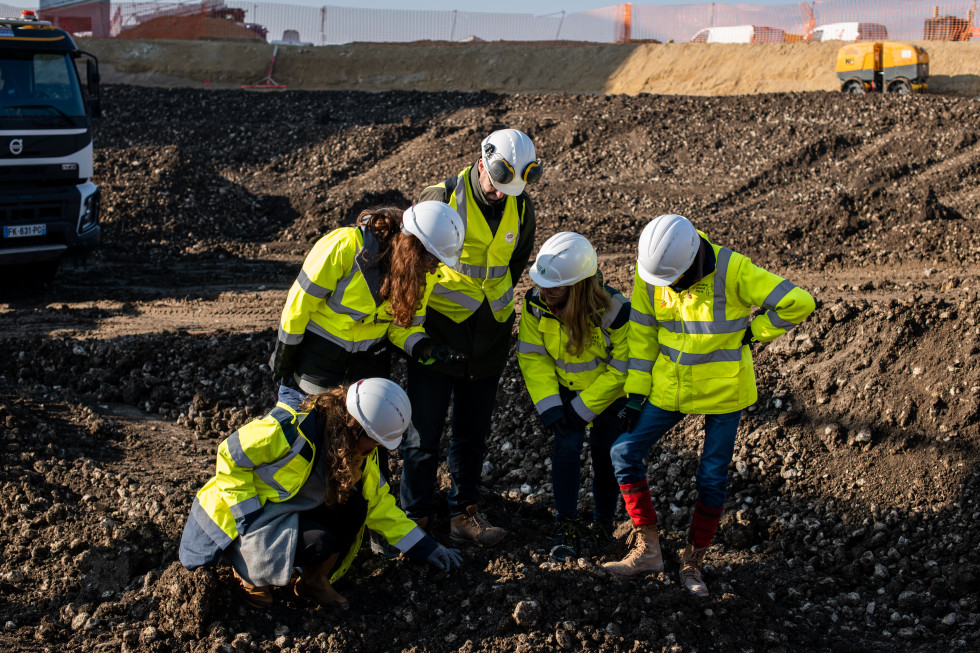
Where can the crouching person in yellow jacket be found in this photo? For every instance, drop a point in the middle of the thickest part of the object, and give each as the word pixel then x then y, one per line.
pixel 297 488
pixel 689 338
pixel 572 350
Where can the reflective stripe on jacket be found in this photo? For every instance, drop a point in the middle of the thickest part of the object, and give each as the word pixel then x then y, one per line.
pixel 686 352
pixel 483 271
pixel 597 374
pixel 336 297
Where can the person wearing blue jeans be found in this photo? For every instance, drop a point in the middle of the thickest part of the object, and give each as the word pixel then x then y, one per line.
pixel 689 354
pixel 572 350
pixel 566 470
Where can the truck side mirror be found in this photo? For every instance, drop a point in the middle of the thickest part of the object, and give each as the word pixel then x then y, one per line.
pixel 92 79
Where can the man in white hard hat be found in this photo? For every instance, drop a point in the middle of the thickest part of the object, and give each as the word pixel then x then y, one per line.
pixel 471 314
pixel 689 338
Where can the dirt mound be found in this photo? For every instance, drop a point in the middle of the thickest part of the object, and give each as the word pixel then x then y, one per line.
pixel 710 69
pixel 851 521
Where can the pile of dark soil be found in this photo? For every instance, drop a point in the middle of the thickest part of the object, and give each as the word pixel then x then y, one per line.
pixel 852 515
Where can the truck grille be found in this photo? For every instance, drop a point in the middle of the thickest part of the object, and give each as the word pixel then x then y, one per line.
pixel 31 212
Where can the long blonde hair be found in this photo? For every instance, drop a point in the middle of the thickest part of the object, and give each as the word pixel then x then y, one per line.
pixel 339 443
pixel 587 304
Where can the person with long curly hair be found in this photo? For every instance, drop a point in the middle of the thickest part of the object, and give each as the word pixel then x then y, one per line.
pixel 573 352
pixel 298 487
pixel 360 288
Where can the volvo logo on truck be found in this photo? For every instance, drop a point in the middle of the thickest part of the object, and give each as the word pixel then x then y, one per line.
pixel 49 205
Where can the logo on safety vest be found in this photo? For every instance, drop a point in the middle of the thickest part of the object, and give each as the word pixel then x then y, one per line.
pixel 509 236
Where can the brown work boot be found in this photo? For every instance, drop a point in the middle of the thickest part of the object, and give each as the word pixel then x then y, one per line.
pixel 314 584
pixel 644 554
pixel 692 561
pixel 472 526
pixel 257 596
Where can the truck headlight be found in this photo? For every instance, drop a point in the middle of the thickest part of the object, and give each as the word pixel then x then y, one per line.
pixel 89 217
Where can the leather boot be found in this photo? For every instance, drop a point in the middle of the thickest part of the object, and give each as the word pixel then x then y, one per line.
pixel 692 561
pixel 644 555
pixel 257 596
pixel 472 526
pixel 314 584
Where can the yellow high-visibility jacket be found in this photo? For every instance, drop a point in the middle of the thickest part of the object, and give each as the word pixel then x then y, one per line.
pixel 335 297
pixel 270 459
pixel 483 271
pixel 597 374
pixel 685 350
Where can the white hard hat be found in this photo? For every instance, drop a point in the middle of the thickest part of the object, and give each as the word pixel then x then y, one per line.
pixel 564 259
pixel 439 227
pixel 668 245
pixel 382 408
pixel 509 159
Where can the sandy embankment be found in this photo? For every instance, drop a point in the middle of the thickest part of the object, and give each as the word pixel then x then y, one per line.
pixel 674 68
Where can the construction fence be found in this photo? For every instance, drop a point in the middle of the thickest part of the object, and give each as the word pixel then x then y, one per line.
pixel 329 25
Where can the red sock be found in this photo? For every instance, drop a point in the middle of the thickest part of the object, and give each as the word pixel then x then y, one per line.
pixel 703 525
pixel 639 505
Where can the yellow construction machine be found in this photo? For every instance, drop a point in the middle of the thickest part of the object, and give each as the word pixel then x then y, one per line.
pixel 882 67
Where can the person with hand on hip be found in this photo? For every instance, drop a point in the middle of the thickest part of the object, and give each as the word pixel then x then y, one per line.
pixel 689 346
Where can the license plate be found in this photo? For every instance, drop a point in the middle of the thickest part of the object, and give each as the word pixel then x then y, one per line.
pixel 23 230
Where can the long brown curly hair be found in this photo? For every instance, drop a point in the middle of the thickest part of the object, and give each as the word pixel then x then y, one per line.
pixel 339 444
pixel 404 261
pixel 587 303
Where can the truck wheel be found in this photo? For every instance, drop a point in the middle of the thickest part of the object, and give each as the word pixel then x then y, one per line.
pixel 853 87
pixel 900 87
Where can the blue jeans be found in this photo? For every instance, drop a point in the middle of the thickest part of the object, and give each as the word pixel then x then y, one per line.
pixel 566 463
pixel 472 407
pixel 719 444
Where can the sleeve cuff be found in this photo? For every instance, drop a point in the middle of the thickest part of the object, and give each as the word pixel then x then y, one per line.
pixel 552 415
pixel 422 549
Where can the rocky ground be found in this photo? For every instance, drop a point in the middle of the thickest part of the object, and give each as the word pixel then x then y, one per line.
pixel 852 520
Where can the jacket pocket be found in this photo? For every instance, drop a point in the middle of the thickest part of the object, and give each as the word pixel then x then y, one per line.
pixel 716 387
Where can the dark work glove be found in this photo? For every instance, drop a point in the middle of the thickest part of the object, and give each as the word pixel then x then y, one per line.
pixel 629 414
pixel 552 416
pixel 444 558
pixel 283 360
pixel 747 338
pixel 572 419
pixel 447 355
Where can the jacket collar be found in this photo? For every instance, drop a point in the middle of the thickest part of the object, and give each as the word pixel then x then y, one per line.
pixel 291 397
pixel 368 261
